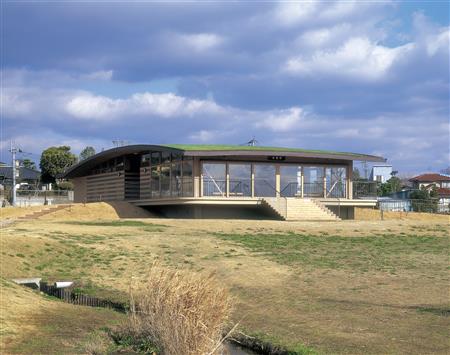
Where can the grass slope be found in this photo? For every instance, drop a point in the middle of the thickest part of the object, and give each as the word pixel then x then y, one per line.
pixel 345 287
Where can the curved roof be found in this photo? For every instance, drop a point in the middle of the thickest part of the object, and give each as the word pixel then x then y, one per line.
pixel 211 150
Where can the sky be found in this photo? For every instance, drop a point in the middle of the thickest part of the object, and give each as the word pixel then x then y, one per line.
pixel 360 76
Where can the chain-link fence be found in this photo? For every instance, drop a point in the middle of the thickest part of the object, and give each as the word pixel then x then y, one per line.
pixel 411 205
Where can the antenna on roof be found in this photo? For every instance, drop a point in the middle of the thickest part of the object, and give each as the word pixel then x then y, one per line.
pixel 119 143
pixel 252 142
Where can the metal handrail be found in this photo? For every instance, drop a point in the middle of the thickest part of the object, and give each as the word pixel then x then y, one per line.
pixel 277 195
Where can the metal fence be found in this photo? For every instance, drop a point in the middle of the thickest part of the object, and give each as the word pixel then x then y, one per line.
pixel 427 206
pixel 26 198
pixel 365 190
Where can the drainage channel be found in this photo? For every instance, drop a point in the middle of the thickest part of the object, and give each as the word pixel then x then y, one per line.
pixel 59 290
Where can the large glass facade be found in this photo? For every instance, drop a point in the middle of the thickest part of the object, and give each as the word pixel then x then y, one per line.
pixel 265 180
pixel 290 180
pixel 170 174
pixel 313 181
pixel 240 179
pixel 187 179
pixel 336 182
pixel 214 179
pixel 155 165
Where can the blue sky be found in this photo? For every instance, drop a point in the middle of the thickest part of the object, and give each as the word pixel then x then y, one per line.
pixel 369 77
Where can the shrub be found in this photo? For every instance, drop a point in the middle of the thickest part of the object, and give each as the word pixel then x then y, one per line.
pixel 179 312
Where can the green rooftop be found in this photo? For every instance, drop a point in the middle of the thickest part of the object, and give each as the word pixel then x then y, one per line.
pixel 225 147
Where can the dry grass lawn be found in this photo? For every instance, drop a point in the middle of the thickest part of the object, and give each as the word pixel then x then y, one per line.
pixel 346 287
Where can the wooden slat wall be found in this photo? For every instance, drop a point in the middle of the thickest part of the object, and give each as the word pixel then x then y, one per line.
pixel 132 186
pixel 105 187
pixel 145 191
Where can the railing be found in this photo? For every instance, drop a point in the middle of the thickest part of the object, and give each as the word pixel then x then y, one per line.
pixel 292 189
pixel 313 189
pixel 213 187
pixel 240 187
pixel 414 205
pixel 41 197
pixel 183 187
pixel 366 190
pixel 338 189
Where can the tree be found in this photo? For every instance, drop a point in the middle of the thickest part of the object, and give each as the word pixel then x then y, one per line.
pixel 394 184
pixel 87 152
pixel 356 174
pixel 27 163
pixel 425 200
pixel 54 161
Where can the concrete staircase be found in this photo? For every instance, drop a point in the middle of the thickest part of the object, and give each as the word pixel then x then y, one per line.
pixel 42 212
pixel 299 209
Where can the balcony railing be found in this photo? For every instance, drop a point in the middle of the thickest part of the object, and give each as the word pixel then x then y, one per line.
pixel 365 190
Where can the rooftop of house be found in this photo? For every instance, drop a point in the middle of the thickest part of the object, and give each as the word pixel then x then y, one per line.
pixel 430 177
pixel 209 150
pixel 251 148
pixel 24 173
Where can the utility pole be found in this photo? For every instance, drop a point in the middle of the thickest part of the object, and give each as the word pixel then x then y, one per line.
pixel 13 151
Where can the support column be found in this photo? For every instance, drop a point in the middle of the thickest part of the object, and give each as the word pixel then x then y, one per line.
pixel 227 181
pixel 324 182
pixel 277 180
pixel 302 180
pixel 252 182
pixel 198 179
pixel 350 181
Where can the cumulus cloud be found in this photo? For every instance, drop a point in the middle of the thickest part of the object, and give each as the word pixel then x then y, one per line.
pixel 282 121
pixel 88 106
pixel 358 57
pixel 328 75
pixel 200 41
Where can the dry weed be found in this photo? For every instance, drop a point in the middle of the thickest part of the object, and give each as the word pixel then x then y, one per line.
pixel 180 312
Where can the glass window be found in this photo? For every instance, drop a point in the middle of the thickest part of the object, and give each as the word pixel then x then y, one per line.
pixel 336 177
pixel 313 181
pixel 176 157
pixel 165 157
pixel 240 179
pixel 154 180
pixel 188 182
pixel 164 180
pixel 290 180
pixel 175 176
pixel 265 180
pixel 214 179
pixel 155 158
pixel 145 159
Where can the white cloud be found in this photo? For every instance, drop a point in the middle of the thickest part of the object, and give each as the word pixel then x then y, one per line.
pixel 99 75
pixel 200 41
pixel 325 36
pixel 438 42
pixel 358 57
pixel 292 13
pixel 88 106
pixel 283 120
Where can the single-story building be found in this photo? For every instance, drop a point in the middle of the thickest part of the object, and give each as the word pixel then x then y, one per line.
pixel 223 180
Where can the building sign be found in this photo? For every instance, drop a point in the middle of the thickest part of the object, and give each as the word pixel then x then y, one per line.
pixel 276 157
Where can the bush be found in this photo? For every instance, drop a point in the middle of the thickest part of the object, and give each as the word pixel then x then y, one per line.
pixel 65 185
pixel 180 312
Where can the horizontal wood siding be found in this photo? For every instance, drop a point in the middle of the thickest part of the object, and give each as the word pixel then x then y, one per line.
pixel 132 186
pixel 105 187
pixel 145 191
